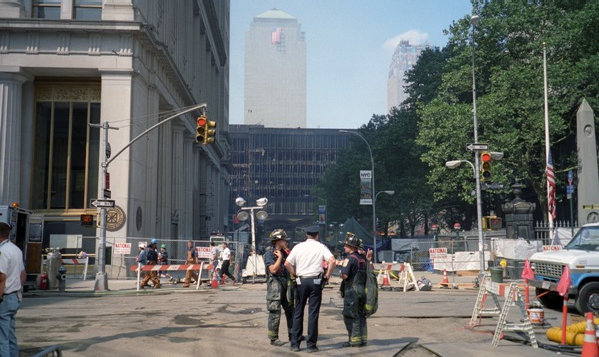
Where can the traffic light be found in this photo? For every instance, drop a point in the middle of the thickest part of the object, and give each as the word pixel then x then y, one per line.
pixel 201 129
pixel 485 158
pixel 210 131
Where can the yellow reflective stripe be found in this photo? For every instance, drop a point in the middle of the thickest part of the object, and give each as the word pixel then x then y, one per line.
pixel 368 307
pixel 272 333
pixel 356 339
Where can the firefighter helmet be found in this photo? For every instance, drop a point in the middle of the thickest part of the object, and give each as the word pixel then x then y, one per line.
pixel 351 240
pixel 278 234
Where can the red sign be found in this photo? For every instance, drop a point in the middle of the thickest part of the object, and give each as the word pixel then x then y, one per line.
pixel 204 252
pixel 437 253
pixel 107 181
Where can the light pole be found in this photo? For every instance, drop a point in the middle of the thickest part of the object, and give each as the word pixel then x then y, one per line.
pixel 242 216
pixel 454 164
pixel 373 190
pixel 101 283
pixel 326 208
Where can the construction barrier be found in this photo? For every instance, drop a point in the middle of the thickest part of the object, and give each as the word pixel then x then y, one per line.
pixel 174 267
pixel 513 296
pixel 77 261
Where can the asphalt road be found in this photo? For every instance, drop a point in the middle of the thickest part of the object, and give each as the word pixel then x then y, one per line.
pixel 231 321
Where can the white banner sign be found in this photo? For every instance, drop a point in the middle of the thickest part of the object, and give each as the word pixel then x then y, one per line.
pixel 121 248
pixel 437 253
pixel 365 187
pixel 204 252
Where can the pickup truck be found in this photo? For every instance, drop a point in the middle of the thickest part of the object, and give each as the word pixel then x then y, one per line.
pixel 581 255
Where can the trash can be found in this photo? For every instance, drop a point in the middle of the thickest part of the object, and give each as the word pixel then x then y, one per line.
pixel 497 275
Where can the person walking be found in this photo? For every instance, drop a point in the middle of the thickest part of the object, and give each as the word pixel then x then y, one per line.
pixel 353 273
pixel 224 268
pixel 152 260
pixel 142 259
pixel 305 263
pixel 192 258
pixel 12 278
pixel 277 280
pixel 214 254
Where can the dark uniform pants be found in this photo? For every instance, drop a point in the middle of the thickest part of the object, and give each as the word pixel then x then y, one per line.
pixel 224 270
pixel 307 291
pixel 274 313
pixel 353 315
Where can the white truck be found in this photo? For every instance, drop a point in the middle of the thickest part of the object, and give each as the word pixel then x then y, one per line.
pixel 581 255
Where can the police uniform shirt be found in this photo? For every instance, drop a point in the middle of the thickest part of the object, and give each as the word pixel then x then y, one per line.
pixel 270 259
pixel 307 258
pixel 11 265
pixel 193 251
pixel 152 255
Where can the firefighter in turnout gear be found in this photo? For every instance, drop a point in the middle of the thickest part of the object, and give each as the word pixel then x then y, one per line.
pixel 277 285
pixel 353 273
pixel 192 258
pixel 152 260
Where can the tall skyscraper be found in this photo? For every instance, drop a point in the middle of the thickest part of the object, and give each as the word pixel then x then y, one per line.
pixel 404 57
pixel 275 71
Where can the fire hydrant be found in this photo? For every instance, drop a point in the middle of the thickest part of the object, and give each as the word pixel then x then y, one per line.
pixel 62 278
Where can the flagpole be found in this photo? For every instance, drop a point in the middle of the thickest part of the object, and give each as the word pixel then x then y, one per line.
pixel 546 108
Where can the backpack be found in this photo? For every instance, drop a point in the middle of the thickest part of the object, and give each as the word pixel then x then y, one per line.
pixel 372 292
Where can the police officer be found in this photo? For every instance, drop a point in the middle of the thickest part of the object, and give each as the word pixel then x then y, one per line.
pixel 277 280
pixel 353 273
pixel 305 262
pixel 12 277
pixel 152 260
pixel 192 258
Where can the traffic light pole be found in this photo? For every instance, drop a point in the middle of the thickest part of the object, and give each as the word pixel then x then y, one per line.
pixel 101 283
pixel 481 244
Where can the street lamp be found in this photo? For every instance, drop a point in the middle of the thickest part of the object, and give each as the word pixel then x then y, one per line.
pixel 373 191
pixel 242 215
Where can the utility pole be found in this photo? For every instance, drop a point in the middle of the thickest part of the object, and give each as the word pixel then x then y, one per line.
pixel 101 283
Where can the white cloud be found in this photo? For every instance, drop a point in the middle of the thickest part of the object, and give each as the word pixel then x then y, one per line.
pixel 415 37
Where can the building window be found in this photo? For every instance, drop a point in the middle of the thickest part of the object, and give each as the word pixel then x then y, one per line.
pixel 66 149
pixel 46 9
pixel 88 10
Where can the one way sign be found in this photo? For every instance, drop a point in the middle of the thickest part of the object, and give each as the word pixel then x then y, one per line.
pixel 102 203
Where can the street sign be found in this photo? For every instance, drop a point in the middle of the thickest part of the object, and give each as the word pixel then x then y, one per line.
pixel 477 147
pixel 108 150
pixel 437 253
pixel 570 189
pixel 121 248
pixel 204 252
pixel 107 193
pixel 102 203
pixel 570 177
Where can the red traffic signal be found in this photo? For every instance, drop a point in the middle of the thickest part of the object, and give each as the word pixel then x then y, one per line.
pixel 485 170
pixel 202 121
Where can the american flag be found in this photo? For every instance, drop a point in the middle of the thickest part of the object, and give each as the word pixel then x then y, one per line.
pixel 550 187
pixel 275 36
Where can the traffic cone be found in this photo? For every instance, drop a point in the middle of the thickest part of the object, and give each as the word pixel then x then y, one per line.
pixel 386 284
pixel 589 347
pixel 445 282
pixel 214 283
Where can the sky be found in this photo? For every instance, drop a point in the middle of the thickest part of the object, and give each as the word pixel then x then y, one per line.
pixel 349 48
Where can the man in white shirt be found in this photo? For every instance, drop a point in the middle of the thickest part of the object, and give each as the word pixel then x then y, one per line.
pixel 214 253
pixel 305 263
pixel 224 268
pixel 12 277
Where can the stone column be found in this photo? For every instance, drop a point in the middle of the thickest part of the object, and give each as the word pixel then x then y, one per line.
pixel 12 9
pixel 588 176
pixel 10 136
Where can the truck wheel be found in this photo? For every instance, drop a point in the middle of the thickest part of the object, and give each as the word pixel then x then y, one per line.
pixel 588 298
pixel 552 300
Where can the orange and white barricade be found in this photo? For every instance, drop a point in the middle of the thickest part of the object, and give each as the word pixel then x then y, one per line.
pixel 77 261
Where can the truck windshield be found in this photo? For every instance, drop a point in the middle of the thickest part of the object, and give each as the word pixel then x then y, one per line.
pixel 587 238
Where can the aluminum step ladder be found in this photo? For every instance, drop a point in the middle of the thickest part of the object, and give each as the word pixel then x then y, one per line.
pixel 503 325
pixel 479 307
